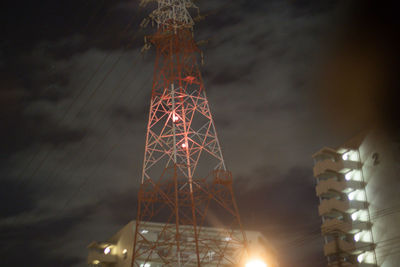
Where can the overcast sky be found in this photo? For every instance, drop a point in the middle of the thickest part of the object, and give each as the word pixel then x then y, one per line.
pixel 75 91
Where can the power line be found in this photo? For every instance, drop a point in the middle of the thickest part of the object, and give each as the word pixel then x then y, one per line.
pixel 98 121
pixel 38 152
pixel 68 110
pixel 63 117
pixel 85 181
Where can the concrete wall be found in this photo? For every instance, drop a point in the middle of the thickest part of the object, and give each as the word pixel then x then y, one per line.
pixel 381 169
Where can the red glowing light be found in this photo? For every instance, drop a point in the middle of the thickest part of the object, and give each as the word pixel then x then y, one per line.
pixel 189 79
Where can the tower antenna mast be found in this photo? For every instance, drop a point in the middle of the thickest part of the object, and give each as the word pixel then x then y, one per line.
pixel 184 184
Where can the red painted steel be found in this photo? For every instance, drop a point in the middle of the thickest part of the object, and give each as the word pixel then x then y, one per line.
pixel 184 184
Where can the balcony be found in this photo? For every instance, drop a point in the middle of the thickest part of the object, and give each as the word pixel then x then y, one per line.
pixel 343 246
pixel 338 166
pixel 349 264
pixel 335 225
pixel 333 187
pixel 333 207
pixel 326 153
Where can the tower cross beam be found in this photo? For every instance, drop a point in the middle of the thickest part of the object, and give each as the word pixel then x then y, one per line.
pixel 184 180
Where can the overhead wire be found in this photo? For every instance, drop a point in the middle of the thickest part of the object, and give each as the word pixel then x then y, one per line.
pixel 114 145
pixel 67 111
pixel 35 155
pixel 95 123
pixel 88 177
pixel 64 115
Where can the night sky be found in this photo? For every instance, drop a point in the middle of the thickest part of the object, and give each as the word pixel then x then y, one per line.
pixel 283 79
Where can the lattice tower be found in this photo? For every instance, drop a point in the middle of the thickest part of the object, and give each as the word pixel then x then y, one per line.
pixel 184 181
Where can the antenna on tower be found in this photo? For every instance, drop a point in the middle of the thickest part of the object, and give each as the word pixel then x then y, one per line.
pixel 173 13
pixel 184 178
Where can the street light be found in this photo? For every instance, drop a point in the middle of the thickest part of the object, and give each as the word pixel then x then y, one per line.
pixel 256 263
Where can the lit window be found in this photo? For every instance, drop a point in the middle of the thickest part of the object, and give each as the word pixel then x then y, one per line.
pixel 107 250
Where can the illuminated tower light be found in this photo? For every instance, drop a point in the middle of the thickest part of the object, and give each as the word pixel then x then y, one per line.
pixel 175 117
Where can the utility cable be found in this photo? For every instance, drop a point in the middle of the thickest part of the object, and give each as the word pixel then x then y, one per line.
pixel 68 110
pixel 38 152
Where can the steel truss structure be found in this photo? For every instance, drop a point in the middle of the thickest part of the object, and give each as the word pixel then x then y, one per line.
pixel 184 182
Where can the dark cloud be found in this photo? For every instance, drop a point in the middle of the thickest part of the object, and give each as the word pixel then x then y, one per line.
pixel 278 198
pixel 228 75
pixel 128 114
pixel 14 198
pixel 73 88
pixel 36 241
pixel 285 208
pixel 42 131
pixel 359 72
pixel 122 206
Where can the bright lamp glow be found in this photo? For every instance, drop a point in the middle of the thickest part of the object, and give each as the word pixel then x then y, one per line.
pixel 256 263
pixel 357 237
pixel 184 145
pixel 348 175
pixel 360 257
pixel 345 156
pixel 175 118
pixel 107 250
pixel 144 231
pixel 125 251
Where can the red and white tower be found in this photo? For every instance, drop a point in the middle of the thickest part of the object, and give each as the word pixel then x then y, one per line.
pixel 184 184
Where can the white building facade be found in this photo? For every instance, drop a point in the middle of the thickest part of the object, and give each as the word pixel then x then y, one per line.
pixel 117 251
pixel 358 185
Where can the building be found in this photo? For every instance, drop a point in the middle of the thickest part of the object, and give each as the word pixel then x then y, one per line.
pixel 358 185
pixel 117 251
